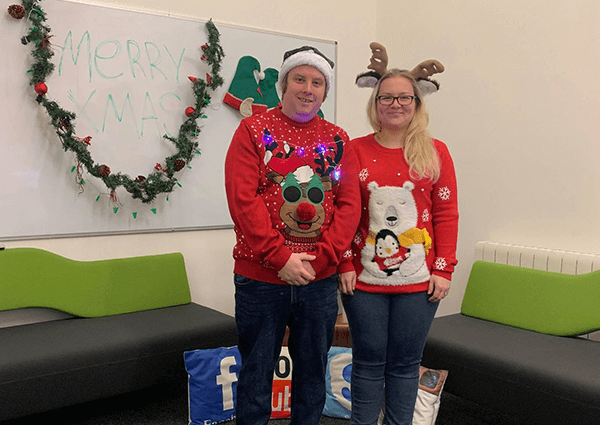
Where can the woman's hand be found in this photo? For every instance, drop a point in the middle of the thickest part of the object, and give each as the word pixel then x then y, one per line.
pixel 347 282
pixel 438 288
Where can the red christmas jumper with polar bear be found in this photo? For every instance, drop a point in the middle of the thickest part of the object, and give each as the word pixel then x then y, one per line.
pixel 291 188
pixel 402 213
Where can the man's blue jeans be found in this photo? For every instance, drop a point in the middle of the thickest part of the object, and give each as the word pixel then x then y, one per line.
pixel 388 337
pixel 262 311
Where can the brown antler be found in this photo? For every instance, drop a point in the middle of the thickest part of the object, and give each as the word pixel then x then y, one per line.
pixel 426 69
pixel 379 58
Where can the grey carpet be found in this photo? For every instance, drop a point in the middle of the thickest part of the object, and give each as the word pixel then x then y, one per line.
pixel 168 406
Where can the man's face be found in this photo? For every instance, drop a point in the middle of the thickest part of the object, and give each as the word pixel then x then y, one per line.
pixel 304 94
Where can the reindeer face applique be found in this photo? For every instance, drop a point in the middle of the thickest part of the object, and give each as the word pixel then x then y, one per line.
pixel 304 176
pixel 303 212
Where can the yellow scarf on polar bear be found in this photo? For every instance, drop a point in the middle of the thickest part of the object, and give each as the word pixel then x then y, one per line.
pixel 408 238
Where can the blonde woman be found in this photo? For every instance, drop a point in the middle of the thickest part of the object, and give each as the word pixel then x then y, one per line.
pixel 404 252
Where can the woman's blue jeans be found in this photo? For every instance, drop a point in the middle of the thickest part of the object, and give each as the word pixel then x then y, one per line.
pixel 262 311
pixel 388 337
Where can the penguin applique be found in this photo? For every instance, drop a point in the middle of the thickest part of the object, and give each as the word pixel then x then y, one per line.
pixel 388 252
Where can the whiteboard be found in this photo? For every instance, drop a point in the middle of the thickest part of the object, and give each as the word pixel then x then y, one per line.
pixel 124 73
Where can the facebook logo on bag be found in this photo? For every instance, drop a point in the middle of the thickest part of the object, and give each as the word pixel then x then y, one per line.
pixel 212 381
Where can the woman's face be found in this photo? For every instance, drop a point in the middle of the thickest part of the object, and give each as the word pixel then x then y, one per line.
pixel 395 116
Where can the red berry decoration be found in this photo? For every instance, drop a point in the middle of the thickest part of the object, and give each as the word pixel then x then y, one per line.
pixel 104 170
pixel 40 88
pixel 207 78
pixel 189 111
pixel 86 140
pixel 16 11
pixel 192 79
pixel 140 179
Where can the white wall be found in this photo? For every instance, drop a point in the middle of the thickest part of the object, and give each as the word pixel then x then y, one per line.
pixel 519 107
pixel 208 254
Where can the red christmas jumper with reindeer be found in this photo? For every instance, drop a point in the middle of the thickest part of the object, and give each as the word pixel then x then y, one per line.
pixel 400 213
pixel 291 188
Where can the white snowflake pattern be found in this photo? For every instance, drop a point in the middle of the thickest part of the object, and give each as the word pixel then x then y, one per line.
pixel 364 173
pixel 357 238
pixel 348 254
pixel 440 263
pixel 444 193
pixel 425 216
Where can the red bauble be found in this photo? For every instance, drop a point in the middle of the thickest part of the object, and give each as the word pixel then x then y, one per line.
pixel 189 111
pixel 207 78
pixel 193 79
pixel 40 88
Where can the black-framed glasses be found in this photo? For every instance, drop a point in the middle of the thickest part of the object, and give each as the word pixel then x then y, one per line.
pixel 403 100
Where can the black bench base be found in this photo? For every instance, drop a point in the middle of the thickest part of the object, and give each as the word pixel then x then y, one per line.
pixel 45 366
pixel 540 379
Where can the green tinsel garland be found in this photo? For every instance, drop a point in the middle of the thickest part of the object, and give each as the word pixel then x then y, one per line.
pixel 162 180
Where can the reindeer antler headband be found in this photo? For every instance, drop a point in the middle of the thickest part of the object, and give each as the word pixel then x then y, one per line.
pixel 379 62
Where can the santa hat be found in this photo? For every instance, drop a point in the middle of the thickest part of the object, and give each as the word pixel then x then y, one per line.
pixel 307 55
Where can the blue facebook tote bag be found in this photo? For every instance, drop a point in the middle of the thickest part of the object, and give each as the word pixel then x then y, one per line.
pixel 212 381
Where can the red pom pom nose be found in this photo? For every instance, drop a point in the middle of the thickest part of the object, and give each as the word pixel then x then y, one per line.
pixel 305 211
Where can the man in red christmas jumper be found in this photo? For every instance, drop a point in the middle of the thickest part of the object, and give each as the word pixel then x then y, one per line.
pixel 293 195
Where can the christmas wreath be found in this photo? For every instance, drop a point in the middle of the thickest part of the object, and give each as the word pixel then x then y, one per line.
pixel 162 179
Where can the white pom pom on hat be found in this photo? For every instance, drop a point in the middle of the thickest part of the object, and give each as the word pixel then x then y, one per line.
pixel 307 55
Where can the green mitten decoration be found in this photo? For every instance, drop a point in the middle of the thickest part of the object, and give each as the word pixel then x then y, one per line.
pixel 268 88
pixel 252 91
pixel 244 92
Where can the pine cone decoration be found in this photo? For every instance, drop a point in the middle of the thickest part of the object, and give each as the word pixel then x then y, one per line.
pixel 179 164
pixel 16 11
pixel 104 171
pixel 138 180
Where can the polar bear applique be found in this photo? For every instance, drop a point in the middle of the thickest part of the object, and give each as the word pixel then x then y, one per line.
pixel 395 249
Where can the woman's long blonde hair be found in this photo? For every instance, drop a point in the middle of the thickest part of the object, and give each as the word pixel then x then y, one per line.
pixel 419 150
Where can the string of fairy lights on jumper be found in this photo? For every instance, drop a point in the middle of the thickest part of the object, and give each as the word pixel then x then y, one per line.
pixel 162 179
